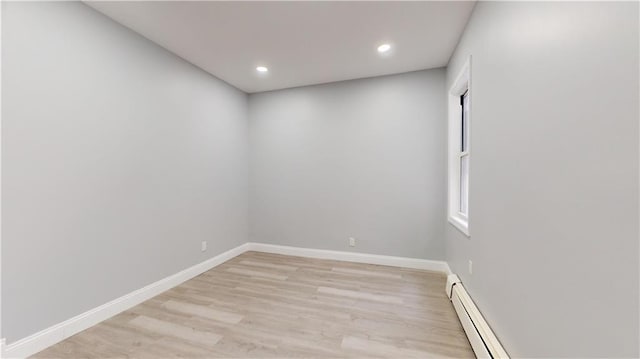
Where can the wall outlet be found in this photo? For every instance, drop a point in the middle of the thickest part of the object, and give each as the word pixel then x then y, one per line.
pixel 352 242
pixel 203 246
pixel 470 267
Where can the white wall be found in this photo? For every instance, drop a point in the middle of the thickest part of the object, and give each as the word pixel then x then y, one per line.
pixel 554 176
pixel 118 159
pixel 363 159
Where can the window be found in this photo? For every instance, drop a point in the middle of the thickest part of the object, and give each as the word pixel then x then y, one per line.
pixel 459 149
pixel 464 155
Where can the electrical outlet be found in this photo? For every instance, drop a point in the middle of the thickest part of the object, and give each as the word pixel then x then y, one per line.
pixel 204 246
pixel 470 267
pixel 352 242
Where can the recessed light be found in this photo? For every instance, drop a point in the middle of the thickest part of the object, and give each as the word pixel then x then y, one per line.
pixel 262 69
pixel 384 48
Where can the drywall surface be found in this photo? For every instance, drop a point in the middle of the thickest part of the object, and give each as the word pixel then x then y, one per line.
pixel 362 159
pixel 554 176
pixel 118 160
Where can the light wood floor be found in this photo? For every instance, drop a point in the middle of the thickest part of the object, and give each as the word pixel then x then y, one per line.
pixel 267 305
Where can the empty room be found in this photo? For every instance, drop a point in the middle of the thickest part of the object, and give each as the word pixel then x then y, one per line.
pixel 320 179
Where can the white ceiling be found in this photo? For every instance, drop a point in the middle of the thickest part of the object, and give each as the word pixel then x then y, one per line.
pixel 302 43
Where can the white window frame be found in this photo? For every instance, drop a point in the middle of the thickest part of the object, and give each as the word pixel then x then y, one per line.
pixel 461 85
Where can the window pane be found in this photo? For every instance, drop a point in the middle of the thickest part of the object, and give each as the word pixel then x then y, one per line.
pixel 464 185
pixel 464 141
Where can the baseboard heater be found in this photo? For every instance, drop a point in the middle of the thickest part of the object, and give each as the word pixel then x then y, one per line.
pixel 483 341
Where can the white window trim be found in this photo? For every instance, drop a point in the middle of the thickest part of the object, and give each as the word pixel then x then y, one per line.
pixel 460 85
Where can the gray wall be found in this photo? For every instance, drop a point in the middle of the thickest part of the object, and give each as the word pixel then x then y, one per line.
pixel 118 159
pixel 361 159
pixel 554 176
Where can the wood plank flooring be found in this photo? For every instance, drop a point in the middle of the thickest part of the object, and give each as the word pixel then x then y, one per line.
pixel 268 305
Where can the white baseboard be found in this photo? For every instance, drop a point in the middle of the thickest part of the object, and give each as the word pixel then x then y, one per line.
pixel 483 340
pixel 39 341
pixel 414 263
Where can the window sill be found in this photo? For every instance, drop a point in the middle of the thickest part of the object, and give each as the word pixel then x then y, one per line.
pixel 461 224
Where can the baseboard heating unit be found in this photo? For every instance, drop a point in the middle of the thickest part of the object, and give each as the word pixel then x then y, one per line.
pixel 483 341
